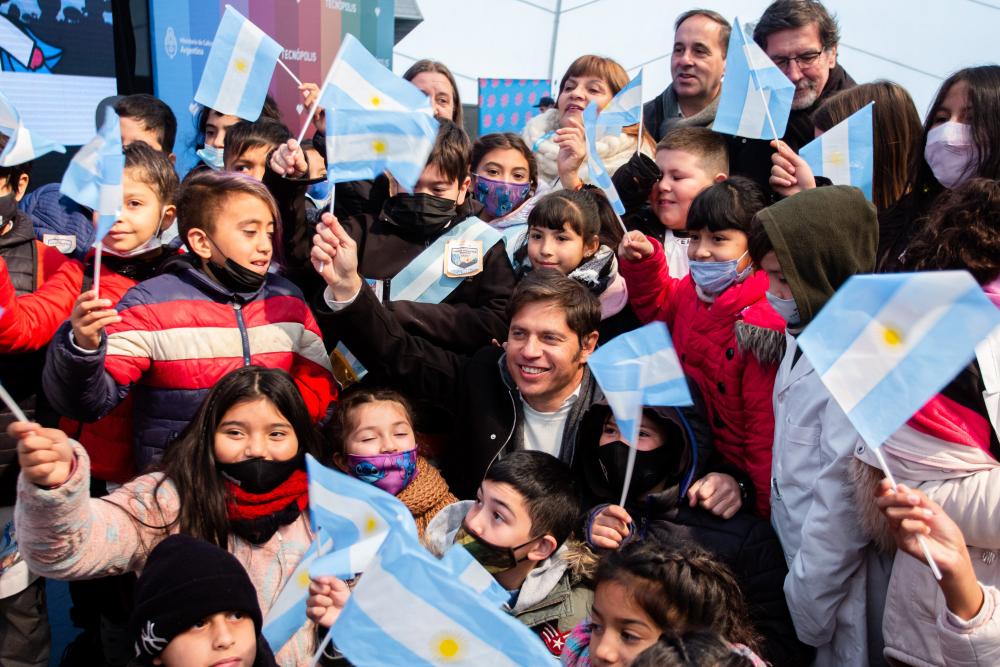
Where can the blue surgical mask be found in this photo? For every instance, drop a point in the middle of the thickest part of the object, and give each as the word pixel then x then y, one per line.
pixel 319 193
pixel 784 307
pixel 714 277
pixel 211 156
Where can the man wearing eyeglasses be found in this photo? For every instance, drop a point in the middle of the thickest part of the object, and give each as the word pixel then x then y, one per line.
pixel 801 38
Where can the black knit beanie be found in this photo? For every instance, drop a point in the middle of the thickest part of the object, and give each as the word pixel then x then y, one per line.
pixel 186 580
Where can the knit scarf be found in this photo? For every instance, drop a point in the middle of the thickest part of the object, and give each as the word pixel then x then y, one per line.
pixel 426 495
pixel 256 517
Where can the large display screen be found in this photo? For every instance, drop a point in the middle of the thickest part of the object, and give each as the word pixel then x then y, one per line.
pixel 310 32
pixel 57 61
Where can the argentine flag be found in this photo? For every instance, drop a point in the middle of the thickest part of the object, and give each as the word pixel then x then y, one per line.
pixel 752 90
pixel 94 175
pixel 639 368
pixel 844 153
pixel 239 68
pixel 288 613
pixel 885 344
pixel 22 145
pixel 624 109
pixel 409 609
pixel 361 144
pixel 355 515
pixel 357 80
pixel 467 569
pixel 598 174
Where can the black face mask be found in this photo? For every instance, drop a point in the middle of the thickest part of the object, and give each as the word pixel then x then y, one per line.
pixel 650 467
pixel 236 278
pixel 8 211
pixel 260 475
pixel 420 211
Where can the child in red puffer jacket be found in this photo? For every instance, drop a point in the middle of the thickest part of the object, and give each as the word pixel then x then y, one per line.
pixel 727 336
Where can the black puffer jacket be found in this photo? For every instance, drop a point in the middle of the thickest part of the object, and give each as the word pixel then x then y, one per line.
pixel 746 544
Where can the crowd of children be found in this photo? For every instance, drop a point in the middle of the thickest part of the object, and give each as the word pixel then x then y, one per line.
pixel 238 327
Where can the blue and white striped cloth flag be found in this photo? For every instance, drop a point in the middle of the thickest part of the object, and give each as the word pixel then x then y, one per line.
pixel 624 109
pixel 845 152
pixel 239 68
pixel 636 369
pixel 752 88
pixel 94 175
pixel 595 168
pixel 22 144
pixel 288 613
pixel 409 609
pixel 467 569
pixel 357 80
pixel 355 515
pixel 361 144
pixel 885 344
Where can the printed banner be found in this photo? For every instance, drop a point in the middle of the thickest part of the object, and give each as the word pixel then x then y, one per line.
pixel 506 105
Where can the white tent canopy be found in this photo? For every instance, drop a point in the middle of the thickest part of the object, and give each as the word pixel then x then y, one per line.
pixel 916 43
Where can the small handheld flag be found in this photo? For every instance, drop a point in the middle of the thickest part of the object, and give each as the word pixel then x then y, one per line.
pixel 624 109
pixel 598 174
pixel 756 96
pixel 884 345
pixel 417 612
pixel 288 613
pixel 22 144
pixel 636 369
pixel 239 68
pixel 361 144
pixel 355 515
pixel 845 152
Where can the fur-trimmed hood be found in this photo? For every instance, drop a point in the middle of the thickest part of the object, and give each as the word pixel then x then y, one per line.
pixel 764 343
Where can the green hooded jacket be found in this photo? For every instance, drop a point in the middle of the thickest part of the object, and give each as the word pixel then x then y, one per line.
pixel 821 238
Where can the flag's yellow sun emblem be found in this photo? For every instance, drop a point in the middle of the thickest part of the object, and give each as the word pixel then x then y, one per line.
pixel 447 647
pixel 892 336
pixel 837 158
pixel 378 146
pixel 371 523
pixel 240 65
pixel 376 100
pixel 304 578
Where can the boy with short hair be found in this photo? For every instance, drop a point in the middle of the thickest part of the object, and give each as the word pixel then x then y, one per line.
pixel 249 144
pixel 147 118
pixel 519 529
pixel 688 160
pixel 212 310
pixel 809 245
pixel 434 230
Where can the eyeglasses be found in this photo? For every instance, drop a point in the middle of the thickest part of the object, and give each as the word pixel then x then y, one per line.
pixel 804 60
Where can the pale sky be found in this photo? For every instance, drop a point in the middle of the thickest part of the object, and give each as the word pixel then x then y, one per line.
pixel 916 43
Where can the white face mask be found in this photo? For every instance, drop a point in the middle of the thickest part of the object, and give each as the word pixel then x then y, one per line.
pixel 152 243
pixel 784 307
pixel 951 153
pixel 211 156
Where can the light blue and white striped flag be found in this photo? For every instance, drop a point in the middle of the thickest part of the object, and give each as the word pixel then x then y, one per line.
pixel 845 152
pixel 595 168
pixel 357 80
pixel 409 609
pixel 22 144
pixel 239 68
pixel 288 613
pixel 467 569
pixel 885 344
pixel 752 89
pixel 639 368
pixel 94 175
pixel 361 144
pixel 624 109
pixel 355 515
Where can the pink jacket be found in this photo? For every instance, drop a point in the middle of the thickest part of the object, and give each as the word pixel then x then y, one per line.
pixel 730 348
pixel 63 533
pixel 976 642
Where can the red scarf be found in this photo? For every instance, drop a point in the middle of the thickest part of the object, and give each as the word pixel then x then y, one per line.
pixel 244 506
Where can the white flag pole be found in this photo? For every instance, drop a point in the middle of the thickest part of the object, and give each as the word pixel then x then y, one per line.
pixel 333 196
pixel 638 142
pixel 920 538
pixel 322 647
pixel 97 270
pixel 629 465
pixel 14 408
pixel 290 72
